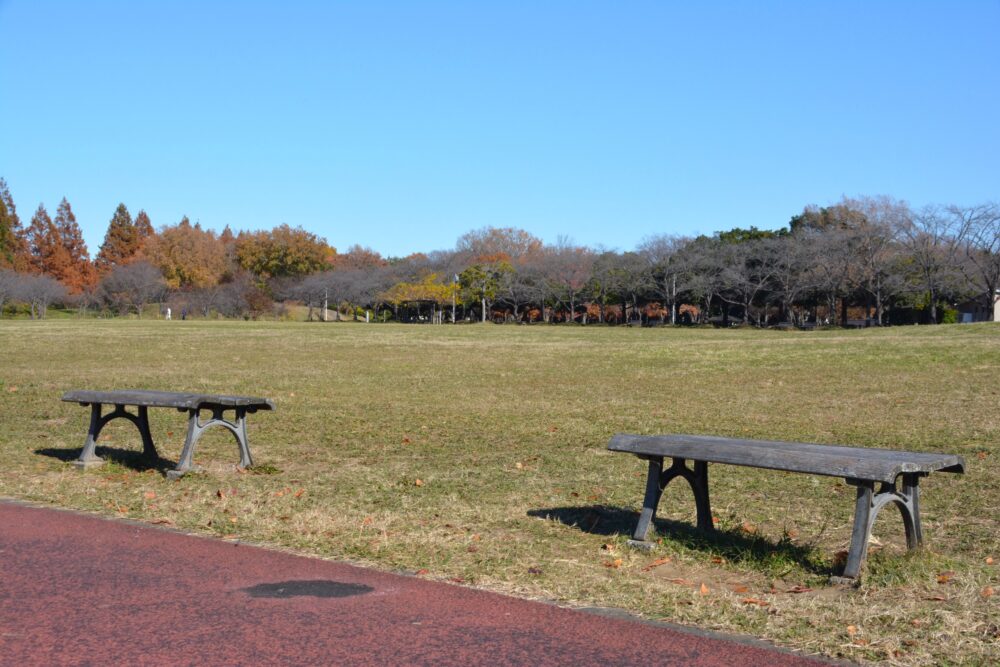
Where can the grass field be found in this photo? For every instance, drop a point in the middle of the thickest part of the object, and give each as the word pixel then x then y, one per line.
pixel 477 454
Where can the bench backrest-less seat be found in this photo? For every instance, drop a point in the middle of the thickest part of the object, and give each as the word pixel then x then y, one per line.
pixel 192 403
pixel 858 466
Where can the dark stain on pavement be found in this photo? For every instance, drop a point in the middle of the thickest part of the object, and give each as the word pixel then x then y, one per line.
pixel 319 588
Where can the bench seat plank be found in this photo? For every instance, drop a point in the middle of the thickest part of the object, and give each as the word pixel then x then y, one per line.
pixel 165 399
pixel 880 465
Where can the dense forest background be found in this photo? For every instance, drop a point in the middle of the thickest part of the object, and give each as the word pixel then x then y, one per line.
pixel 863 261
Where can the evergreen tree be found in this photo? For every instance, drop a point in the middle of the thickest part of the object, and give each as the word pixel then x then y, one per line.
pixel 81 272
pixel 48 255
pixel 13 248
pixel 143 228
pixel 121 242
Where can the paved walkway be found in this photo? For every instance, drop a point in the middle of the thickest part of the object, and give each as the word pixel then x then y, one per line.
pixel 76 589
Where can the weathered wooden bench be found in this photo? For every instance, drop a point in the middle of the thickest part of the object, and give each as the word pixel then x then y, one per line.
pixel 193 404
pixel 860 467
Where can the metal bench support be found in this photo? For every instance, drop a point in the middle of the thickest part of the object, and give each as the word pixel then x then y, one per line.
pixel 89 458
pixel 196 427
pixel 657 480
pixel 867 507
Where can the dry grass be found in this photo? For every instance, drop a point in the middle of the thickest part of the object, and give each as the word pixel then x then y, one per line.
pixel 506 428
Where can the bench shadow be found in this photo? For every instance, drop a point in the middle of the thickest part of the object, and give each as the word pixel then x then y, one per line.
pixel 733 545
pixel 127 458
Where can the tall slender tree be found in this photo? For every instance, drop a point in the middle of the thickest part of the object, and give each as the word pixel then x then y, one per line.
pixel 80 274
pixel 48 256
pixel 121 242
pixel 13 247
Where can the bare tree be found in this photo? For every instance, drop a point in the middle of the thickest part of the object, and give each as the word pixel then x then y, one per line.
pixel 979 228
pixel 40 292
pixel 662 253
pixel 931 239
pixel 9 282
pixel 568 270
pixel 132 286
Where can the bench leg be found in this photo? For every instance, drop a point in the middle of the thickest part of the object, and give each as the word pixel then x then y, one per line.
pixel 195 428
pixel 89 458
pixel 657 480
pixel 866 509
pixel 654 490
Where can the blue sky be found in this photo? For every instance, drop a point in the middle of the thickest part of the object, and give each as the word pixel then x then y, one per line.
pixel 402 125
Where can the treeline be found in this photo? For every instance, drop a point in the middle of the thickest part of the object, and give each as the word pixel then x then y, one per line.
pixel 867 260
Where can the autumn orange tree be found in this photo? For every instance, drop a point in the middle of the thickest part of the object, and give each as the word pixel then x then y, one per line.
pixel 13 248
pixel 79 273
pixel 46 250
pixel 283 252
pixel 188 256
pixel 122 242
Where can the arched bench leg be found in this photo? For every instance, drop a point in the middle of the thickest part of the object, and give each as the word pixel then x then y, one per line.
pixel 195 429
pixel 866 509
pixel 657 480
pixel 88 456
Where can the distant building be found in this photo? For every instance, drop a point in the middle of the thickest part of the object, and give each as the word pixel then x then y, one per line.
pixel 974 311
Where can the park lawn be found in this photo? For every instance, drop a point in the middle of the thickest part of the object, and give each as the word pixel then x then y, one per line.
pixel 476 454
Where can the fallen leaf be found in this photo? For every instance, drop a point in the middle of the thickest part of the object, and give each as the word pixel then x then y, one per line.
pixel 756 601
pixel 945 577
pixel 987 592
pixel 989 560
pixel 657 563
pixel 749 527
pixel 220 494
pixel 170 433
pixel 476 538
pixel 230 536
pixel 406 441
pixel 518 465
pixel 608 547
pixel 718 560
pixel 739 588
pixel 980 455
pixel 614 564
pixel 792 533
pixel 472 549
pixel 852 630
pixel 534 570
pixel 909 642
pixel 12 389
pixel 678 580
pixel 163 522
pixel 715 519
pixel 799 589
pixel 232 519
pixel 936 598
pixel 367 521
pixel 704 589
pixel 149 495
pixel 457 580
pixel 418 482
pixel 552 429
pixel 574 494
pixel 839 558
pixel 422 571
pixel 298 494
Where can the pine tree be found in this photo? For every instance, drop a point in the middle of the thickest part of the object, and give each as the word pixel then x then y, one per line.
pixel 13 247
pixel 81 274
pixel 121 242
pixel 143 228
pixel 48 255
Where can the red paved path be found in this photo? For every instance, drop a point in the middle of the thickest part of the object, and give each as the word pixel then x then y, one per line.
pixel 76 589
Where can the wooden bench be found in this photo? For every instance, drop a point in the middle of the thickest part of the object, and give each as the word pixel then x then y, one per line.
pixel 860 467
pixel 193 404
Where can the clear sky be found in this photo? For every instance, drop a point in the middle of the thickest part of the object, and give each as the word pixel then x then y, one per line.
pixel 402 125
